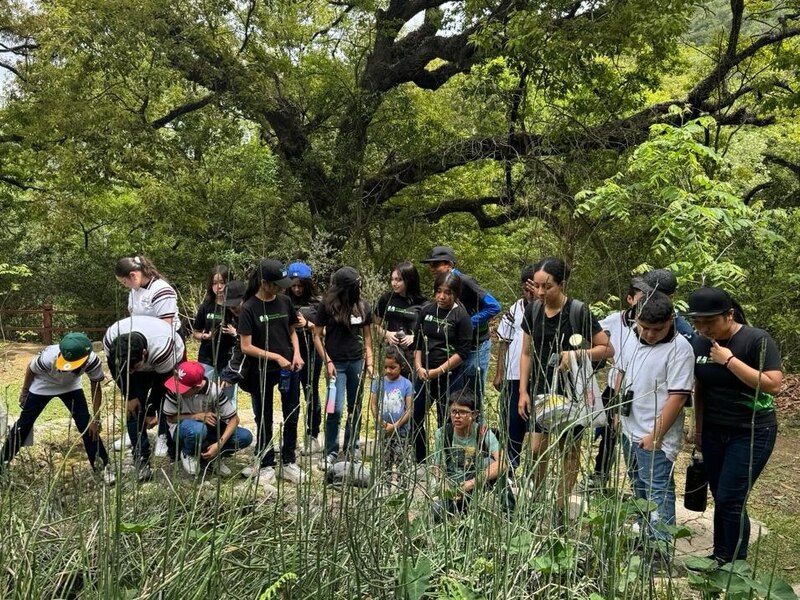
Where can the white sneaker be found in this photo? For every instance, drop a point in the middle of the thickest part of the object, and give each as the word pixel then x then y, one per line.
pixel 292 473
pixel 123 442
pixel 109 475
pixel 326 462
pixel 161 446
pixel 312 446
pixel 191 466
pixel 265 475
pixel 144 473
pixel 221 468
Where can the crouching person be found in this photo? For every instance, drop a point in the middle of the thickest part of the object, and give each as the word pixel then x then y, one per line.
pixel 466 458
pixel 57 371
pixel 654 380
pixel 202 419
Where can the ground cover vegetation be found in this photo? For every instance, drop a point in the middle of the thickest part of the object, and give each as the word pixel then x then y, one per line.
pixel 619 135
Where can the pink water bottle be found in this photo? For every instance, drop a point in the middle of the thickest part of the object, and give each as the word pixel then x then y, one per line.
pixel 330 405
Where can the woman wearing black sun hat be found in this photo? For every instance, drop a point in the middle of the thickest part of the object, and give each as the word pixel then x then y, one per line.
pixel 737 373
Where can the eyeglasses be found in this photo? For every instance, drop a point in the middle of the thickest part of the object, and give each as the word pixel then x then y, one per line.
pixel 460 412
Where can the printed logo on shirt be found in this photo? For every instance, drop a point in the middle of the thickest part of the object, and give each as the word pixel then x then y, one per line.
pixel 272 317
pixel 213 317
pixel 356 320
pixel 702 360
pixel 396 309
pixel 437 321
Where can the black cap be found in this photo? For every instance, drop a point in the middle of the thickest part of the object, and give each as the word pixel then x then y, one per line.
pixel 441 254
pixel 346 276
pixel 709 301
pixel 662 280
pixel 640 284
pixel 273 271
pixel 234 293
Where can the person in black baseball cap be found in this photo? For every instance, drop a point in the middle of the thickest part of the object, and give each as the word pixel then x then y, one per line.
pixel 481 307
pixel 737 372
pixel 267 333
pixel 664 281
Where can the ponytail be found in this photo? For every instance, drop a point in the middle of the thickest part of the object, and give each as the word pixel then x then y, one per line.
pixel 127 265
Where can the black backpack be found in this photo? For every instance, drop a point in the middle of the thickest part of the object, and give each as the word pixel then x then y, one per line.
pixel 577 310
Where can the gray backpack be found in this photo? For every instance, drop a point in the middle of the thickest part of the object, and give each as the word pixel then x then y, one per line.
pixel 348 473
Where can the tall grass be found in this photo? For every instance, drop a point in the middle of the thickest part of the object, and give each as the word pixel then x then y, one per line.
pixel 66 535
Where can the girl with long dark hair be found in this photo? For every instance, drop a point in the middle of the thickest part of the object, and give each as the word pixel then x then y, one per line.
pixel 344 320
pixel 398 309
pixel 443 341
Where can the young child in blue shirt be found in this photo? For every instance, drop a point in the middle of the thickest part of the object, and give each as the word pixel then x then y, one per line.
pixel 393 411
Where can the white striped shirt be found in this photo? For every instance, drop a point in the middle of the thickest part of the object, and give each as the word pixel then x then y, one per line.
pixel 165 347
pixel 49 381
pixel 156 299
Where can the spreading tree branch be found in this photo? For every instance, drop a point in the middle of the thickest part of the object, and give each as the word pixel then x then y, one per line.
pixel 184 109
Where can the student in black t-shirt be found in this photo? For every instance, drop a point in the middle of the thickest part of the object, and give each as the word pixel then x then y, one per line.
pixel 398 309
pixel 344 319
pixel 546 346
pixel 443 342
pixel 737 372
pixel 305 299
pixel 267 332
pixel 215 325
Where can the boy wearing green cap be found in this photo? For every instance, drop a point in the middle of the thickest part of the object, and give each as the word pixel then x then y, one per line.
pixel 57 371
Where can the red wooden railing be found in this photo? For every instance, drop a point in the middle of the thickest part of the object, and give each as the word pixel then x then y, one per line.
pixel 48 327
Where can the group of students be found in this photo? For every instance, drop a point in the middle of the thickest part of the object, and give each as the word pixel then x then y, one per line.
pixel 275 330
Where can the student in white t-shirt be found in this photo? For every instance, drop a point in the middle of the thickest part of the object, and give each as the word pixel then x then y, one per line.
pixel 151 296
pixel 142 352
pixel 506 378
pixel 203 420
pixel 58 371
pixel 618 326
pixel 654 380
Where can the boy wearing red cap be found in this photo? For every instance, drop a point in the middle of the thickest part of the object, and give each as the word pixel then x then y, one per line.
pixel 57 371
pixel 202 420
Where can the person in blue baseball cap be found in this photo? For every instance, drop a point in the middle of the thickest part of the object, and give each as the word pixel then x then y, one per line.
pixel 305 298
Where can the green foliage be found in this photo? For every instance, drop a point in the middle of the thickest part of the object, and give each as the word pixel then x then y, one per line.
pixel 695 219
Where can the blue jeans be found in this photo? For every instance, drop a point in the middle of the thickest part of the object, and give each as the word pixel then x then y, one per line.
pixel 196 436
pixel 348 381
pixel 34 405
pixel 732 472
pixel 651 475
pixel 212 375
pixel 475 368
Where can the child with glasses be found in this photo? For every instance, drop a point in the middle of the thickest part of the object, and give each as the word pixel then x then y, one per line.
pixel 466 456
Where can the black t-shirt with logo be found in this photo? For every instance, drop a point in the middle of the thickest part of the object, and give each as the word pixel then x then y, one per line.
pixel 549 336
pixel 209 319
pixel 343 342
pixel 399 313
pixel 304 336
pixel 269 322
pixel 441 333
pixel 727 400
